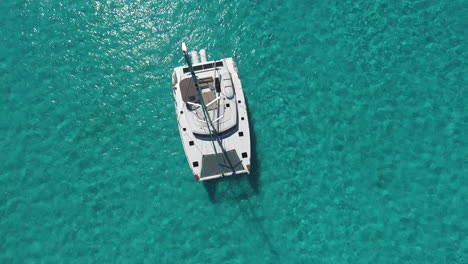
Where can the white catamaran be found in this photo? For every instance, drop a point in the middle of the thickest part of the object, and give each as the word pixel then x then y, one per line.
pixel 212 116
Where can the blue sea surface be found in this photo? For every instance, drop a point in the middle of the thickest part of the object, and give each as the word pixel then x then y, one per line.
pixel 358 111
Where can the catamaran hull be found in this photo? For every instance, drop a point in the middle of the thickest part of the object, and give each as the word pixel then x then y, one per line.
pixel 210 159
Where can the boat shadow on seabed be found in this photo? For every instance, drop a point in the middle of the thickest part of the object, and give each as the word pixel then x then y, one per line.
pixel 242 187
pixel 237 187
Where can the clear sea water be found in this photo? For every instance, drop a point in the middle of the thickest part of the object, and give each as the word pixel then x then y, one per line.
pixel 358 110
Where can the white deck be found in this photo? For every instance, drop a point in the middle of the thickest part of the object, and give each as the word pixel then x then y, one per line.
pixel 227 110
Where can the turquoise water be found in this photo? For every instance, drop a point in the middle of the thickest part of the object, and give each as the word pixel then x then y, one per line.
pixel 358 109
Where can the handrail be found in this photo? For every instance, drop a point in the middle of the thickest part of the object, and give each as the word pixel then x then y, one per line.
pixel 214 100
pixel 195 104
pixel 218 118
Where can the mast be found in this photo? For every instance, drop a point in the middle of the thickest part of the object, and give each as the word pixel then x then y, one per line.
pixel 211 128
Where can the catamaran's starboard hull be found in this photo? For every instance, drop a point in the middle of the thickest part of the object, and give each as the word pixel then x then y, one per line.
pixel 206 157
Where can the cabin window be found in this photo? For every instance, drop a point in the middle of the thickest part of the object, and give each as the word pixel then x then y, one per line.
pixel 244 154
pixel 195 164
pixel 191 143
pixel 241 134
